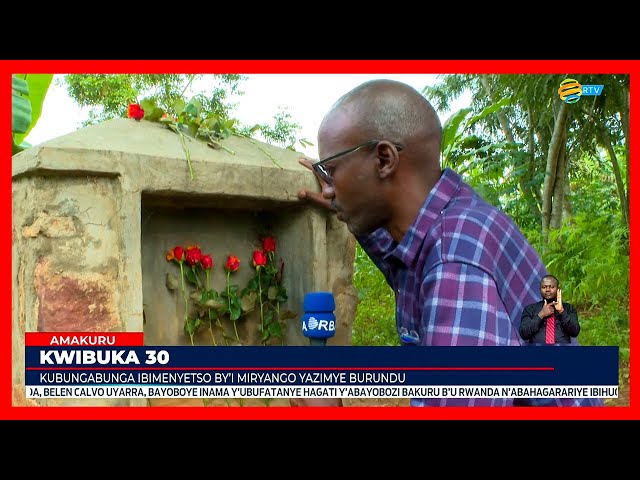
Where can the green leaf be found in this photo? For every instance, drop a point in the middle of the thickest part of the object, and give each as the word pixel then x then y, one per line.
pixel 235 312
pixel 21 107
pixel 191 109
pixel 248 301
pixel 210 122
pixel 155 115
pixel 178 106
pixel 275 329
pixel 215 304
pixel 282 294
pixel 191 276
pixel 272 293
pixel 253 284
pixel 198 104
pixel 489 110
pixel 16 148
pixel 236 301
pixel 450 128
pixel 172 281
pixel 38 87
pixel 191 325
pixel 19 84
pixel 148 105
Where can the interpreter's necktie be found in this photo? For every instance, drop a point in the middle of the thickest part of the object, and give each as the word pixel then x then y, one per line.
pixel 551 330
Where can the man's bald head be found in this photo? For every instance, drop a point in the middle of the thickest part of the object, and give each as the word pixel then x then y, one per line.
pixel 380 144
pixel 389 110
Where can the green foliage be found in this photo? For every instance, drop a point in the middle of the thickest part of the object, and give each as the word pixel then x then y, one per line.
pixel 375 323
pixel 608 325
pixel 109 95
pixel 283 132
pixel 21 107
pixel 206 113
pixel 517 137
pixel 452 86
pixel 453 130
pixel 594 182
pixel 590 257
pixel 192 119
pixel 267 288
pixel 28 93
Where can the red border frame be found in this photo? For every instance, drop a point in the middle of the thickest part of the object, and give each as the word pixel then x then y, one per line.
pixel 7 411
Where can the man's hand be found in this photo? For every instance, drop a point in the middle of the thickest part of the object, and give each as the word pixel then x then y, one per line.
pixel 314 197
pixel 315 402
pixel 547 309
pixel 559 306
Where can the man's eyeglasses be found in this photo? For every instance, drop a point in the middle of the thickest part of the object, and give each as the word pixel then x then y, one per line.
pixel 325 172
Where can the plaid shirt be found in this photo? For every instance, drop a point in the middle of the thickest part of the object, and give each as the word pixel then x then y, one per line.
pixel 462 275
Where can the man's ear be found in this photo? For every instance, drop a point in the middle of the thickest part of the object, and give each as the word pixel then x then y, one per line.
pixel 388 159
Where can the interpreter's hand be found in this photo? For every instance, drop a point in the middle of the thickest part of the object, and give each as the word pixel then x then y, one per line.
pixel 314 197
pixel 559 306
pixel 315 402
pixel 547 309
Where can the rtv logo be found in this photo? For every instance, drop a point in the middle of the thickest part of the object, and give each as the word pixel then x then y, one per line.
pixel 314 324
pixel 570 90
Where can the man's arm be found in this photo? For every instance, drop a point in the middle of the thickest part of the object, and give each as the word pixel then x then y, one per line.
pixel 530 323
pixel 569 320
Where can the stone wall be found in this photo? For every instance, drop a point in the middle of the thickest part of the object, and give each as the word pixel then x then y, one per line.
pixel 95 211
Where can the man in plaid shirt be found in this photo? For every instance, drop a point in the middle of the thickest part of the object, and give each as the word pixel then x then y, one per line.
pixel 461 270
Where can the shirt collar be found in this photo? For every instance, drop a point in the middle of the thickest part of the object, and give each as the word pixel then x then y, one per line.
pixel 440 195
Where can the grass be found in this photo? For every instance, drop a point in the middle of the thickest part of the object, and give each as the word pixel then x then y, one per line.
pixel 375 323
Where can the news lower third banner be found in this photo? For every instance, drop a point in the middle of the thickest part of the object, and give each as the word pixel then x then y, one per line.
pixel 118 365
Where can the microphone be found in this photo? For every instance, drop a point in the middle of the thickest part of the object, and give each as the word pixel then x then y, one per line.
pixel 318 320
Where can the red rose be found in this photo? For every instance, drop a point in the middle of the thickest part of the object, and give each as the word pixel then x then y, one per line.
pixel 193 255
pixel 233 263
pixel 206 262
pixel 178 253
pixel 269 244
pixel 135 111
pixel 259 258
